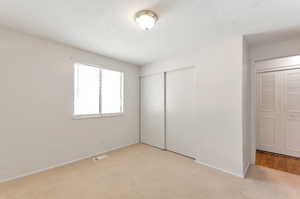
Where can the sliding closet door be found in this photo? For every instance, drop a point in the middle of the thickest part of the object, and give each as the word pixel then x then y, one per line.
pixel 180 131
pixel 291 112
pixel 152 110
pixel 268 112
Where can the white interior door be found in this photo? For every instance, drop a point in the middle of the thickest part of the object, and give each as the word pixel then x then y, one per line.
pixel 278 112
pixel 291 112
pixel 268 112
pixel 152 110
pixel 180 89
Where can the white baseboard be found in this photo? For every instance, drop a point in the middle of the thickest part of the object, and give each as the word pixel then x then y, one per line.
pixel 246 170
pixel 62 164
pixel 225 171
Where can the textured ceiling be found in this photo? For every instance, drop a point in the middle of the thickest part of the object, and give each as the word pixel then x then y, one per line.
pixel 107 27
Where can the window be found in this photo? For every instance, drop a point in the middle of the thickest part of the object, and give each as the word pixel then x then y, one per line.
pixel 97 91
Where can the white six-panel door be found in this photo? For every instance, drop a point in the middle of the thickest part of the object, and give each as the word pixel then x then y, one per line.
pixel 278 112
pixel 152 110
pixel 268 112
pixel 291 112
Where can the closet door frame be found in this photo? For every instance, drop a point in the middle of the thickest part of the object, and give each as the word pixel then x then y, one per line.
pixel 261 66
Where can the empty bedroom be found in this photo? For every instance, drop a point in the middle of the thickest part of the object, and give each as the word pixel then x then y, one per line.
pixel 150 99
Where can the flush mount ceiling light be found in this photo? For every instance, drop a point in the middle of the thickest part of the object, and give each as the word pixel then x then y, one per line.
pixel 146 19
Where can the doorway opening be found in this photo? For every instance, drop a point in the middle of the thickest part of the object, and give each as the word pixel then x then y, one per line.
pixel 277 114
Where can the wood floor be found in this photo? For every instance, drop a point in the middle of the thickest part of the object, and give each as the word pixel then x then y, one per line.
pixel 278 162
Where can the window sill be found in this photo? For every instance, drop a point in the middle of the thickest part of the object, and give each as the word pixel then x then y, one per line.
pixel 112 114
pixel 94 116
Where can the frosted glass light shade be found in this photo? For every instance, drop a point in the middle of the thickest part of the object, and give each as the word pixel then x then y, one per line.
pixel 146 19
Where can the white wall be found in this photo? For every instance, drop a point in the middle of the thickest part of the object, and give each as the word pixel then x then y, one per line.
pixel 36 105
pixel 246 108
pixel 219 128
pixel 275 49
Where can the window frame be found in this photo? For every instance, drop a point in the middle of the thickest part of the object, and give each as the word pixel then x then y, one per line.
pixel 100 114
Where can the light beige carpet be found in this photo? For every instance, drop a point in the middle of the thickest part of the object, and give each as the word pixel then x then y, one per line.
pixel 143 172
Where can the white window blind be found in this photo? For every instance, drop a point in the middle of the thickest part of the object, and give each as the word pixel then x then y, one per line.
pixel 111 91
pixel 97 91
pixel 87 90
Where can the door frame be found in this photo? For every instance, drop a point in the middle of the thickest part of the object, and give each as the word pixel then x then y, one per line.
pixel 260 66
